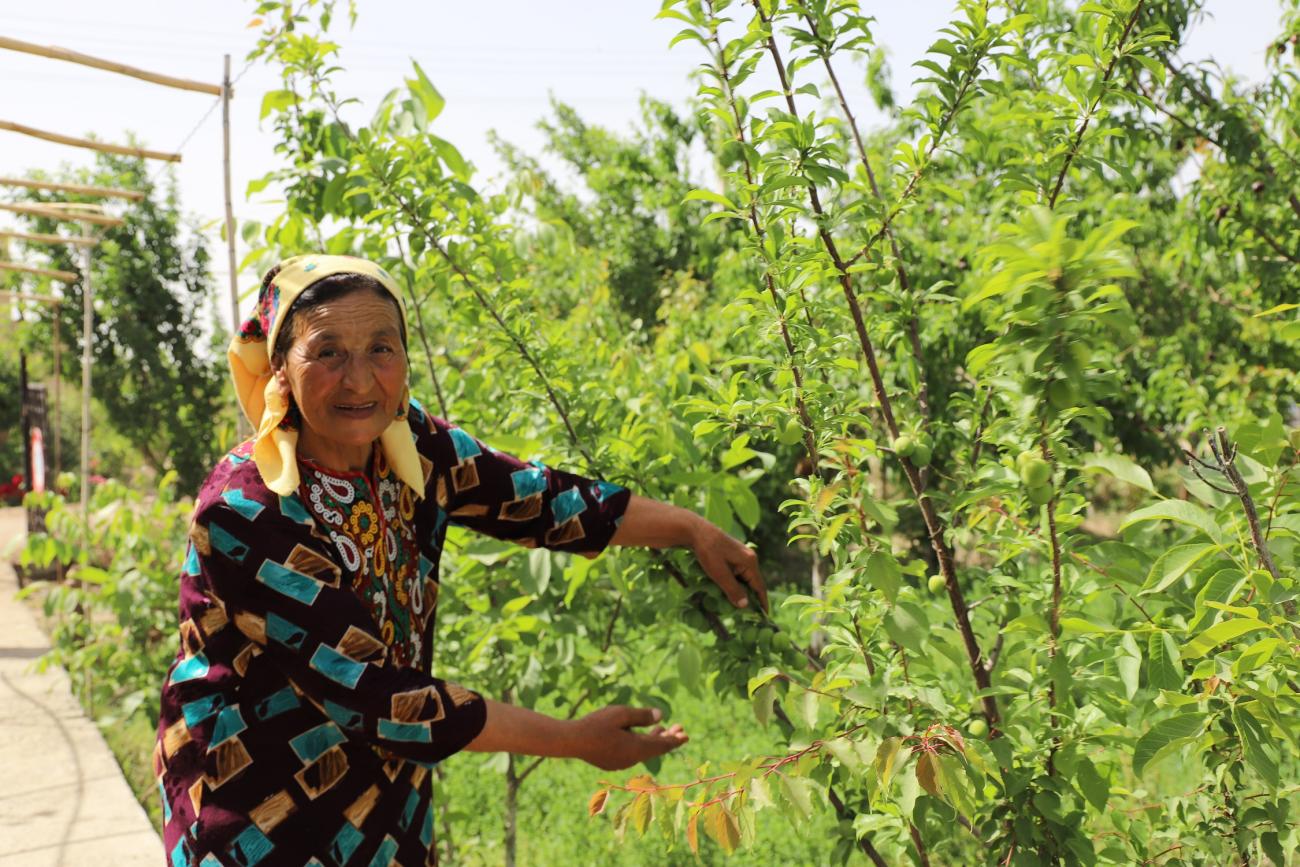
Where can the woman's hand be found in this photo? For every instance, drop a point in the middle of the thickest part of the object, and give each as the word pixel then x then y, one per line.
pixel 724 559
pixel 604 738
pixel 729 562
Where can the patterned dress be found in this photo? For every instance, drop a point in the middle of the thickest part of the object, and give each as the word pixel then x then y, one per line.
pixel 299 721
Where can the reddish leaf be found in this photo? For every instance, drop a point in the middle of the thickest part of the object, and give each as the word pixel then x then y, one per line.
pixel 928 773
pixel 693 832
pixel 597 802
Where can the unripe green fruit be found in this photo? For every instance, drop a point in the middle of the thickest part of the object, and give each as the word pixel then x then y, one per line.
pixel 921 454
pixel 937 584
pixel 977 728
pixel 1024 457
pixel 791 433
pixel 1039 495
pixel 782 642
pixel 904 444
pixel 1035 472
pixel 1061 394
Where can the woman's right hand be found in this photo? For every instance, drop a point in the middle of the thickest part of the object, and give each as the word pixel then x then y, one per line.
pixel 604 738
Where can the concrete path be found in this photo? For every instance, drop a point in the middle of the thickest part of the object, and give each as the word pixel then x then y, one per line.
pixel 63 801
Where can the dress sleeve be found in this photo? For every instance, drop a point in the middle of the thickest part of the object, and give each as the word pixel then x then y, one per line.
pixel 537 506
pixel 289 599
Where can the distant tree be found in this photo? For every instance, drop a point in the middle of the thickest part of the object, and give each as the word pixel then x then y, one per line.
pixel 157 366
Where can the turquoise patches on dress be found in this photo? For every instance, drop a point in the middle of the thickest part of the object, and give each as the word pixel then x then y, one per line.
pixel 250 847
pixel 229 723
pixel 315 742
pixel 276 703
pixel 416 733
pixel 202 708
pixel 283 632
pixel 567 505
pixel 603 490
pixel 344 716
pixel 293 509
pixel 528 481
pixel 180 858
pixel 346 843
pixel 426 832
pixel 289 582
pixel 190 669
pixel 191 566
pixel 227 544
pixel 466 447
pixel 249 509
pixel 336 666
pixel 408 811
pixel 385 854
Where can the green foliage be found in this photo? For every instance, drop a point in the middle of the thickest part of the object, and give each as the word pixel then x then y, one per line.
pixel 113 621
pixel 842 342
pixel 153 300
pixel 970 346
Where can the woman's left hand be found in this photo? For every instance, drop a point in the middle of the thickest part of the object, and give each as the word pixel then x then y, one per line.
pixel 729 562
pixel 726 560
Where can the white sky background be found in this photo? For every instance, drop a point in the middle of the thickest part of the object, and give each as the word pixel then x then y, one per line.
pixel 496 62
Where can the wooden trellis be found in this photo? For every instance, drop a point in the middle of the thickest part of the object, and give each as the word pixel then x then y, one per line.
pixel 92 215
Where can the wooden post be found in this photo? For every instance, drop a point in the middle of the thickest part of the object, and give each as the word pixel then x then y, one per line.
pixel 87 295
pixel 55 428
pixel 244 429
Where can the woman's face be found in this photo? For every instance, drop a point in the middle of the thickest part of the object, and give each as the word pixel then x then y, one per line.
pixel 346 370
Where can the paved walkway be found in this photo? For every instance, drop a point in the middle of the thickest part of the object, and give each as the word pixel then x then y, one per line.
pixel 63 801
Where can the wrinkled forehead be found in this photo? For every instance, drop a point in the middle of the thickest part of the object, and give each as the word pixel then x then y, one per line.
pixel 358 315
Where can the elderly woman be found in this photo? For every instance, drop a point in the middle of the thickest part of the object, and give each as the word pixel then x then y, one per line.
pixel 299 719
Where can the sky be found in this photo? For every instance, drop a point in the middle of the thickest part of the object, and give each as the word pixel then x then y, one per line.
pixel 497 63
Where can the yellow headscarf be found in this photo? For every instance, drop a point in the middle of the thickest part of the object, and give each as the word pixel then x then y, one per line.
pixel 275 444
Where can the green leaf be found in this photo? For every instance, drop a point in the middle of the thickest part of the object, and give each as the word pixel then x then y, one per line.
pixel 762 700
pixel 844 752
pixel 810 707
pixel 1128 661
pixel 764 675
pixel 423 90
pixel 1174 564
pixel 1180 512
pixel 1258 747
pixel 886 758
pixel 1121 468
pixel 907 624
pixel 688 667
pixel 884 573
pixel 641 812
pixel 1091 783
pixel 1164 665
pixel 798 790
pixel 1165 736
pixel 710 196
pixel 1225 630
pixel 276 100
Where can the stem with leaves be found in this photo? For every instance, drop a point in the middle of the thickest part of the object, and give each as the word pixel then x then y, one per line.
pixel 934 526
